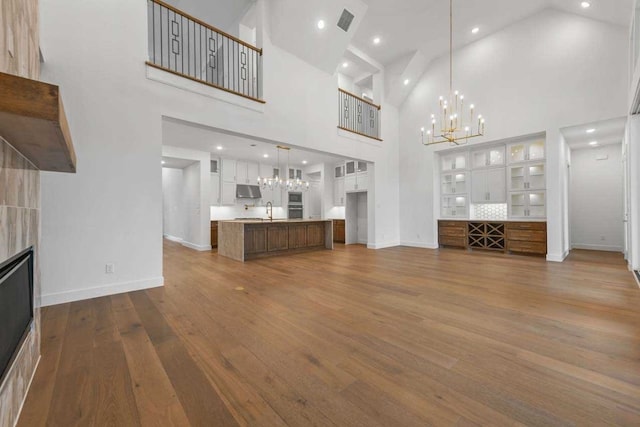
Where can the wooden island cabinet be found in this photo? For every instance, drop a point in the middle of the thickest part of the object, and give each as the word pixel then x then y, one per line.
pixel 243 240
pixel 339 231
pixel 525 237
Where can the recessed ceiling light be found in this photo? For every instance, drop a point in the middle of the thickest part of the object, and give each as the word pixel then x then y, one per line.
pixel 585 4
pixel 406 81
pixel 320 24
pixel 266 156
pixel 591 130
pixel 593 143
pixel 345 65
pixel 475 30
pixel 304 162
pixel 219 147
pixel 376 40
pixel 163 162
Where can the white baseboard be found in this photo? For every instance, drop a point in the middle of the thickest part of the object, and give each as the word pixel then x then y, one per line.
pixel 172 238
pixel 636 275
pixel 418 244
pixel 100 291
pixel 604 248
pixel 557 257
pixel 201 248
pixel 383 245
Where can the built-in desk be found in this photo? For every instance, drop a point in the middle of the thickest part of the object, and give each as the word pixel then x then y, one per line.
pixel 243 240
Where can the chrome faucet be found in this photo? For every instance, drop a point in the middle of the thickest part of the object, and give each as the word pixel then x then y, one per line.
pixel 270 211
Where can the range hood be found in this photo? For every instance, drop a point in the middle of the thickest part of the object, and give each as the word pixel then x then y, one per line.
pixel 244 191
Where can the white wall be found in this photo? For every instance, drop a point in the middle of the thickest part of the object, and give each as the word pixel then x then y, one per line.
pixel 191 203
pixel 111 210
pixel 538 75
pixel 633 135
pixel 173 204
pixel 597 198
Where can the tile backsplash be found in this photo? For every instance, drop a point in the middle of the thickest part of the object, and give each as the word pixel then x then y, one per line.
pixel 490 211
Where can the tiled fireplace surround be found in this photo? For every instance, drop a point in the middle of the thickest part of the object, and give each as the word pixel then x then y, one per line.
pixel 19 194
pixel 19 229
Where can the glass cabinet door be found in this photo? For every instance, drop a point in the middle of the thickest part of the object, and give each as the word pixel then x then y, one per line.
pixel 454 206
pixel 339 171
pixel 517 153
pixel 536 150
pixel 489 157
pixel 518 205
pixel 362 166
pixel 351 168
pixel 517 178
pixel 536 178
pixel 456 161
pixel 536 202
pixel 454 183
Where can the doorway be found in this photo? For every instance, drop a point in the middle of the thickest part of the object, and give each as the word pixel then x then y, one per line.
pixel 357 223
pixel 597 198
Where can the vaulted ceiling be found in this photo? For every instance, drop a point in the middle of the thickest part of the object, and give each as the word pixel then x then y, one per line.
pixel 407 26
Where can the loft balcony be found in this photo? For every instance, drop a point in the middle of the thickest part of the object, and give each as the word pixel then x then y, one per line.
pixel 358 115
pixel 183 45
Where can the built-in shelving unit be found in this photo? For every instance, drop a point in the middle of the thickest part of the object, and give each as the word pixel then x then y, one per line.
pixel 510 174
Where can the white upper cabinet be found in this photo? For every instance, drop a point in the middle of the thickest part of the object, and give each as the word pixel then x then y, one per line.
pixel 527 177
pixel 526 151
pixel 247 172
pixel 454 161
pixel 356 176
pixel 488 186
pixel 228 170
pixel 215 189
pixel 455 183
pixel 338 192
pixel 488 157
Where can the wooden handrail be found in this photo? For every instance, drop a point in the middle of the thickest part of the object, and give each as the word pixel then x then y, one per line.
pixel 359 98
pixel 204 24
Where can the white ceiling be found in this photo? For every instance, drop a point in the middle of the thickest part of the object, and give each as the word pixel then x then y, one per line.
pixel 407 26
pixel 195 137
pixel 174 163
pixel 606 132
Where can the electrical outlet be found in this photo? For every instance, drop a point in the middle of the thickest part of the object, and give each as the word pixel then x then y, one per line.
pixel 602 238
pixel 109 268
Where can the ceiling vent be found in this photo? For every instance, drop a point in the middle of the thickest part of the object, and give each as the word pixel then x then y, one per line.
pixel 345 20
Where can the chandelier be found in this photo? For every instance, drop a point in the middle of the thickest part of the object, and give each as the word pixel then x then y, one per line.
pixel 453 123
pixel 276 181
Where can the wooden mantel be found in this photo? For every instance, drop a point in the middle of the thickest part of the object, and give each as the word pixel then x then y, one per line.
pixel 32 120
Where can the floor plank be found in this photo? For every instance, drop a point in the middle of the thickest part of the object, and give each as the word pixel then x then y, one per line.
pixel 350 337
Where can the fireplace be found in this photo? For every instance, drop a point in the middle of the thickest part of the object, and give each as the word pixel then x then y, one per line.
pixel 16 307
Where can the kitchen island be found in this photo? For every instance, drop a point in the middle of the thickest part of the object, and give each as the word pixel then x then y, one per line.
pixel 243 240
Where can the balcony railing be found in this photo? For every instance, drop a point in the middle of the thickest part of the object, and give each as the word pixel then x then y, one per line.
pixel 185 46
pixel 358 115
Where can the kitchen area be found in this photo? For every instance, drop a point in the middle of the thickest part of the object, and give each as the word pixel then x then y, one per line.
pixel 262 199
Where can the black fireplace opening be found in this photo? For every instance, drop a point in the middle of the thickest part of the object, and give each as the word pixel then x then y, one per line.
pixel 16 306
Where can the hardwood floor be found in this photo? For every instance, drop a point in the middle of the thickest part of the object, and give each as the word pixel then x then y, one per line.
pixel 353 337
